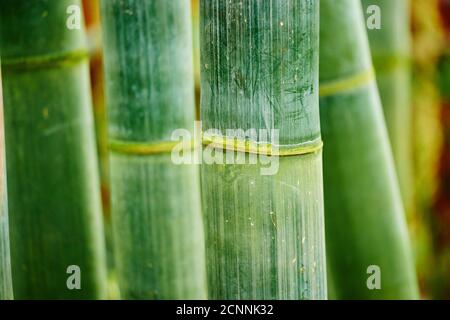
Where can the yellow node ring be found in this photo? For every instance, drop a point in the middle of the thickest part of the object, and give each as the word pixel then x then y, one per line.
pixel 335 87
pixel 216 142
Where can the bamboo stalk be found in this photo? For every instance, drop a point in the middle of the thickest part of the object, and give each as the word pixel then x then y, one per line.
pixel 155 205
pixel 364 214
pixel 5 263
pixel 391 52
pixel 264 233
pixel 428 43
pixel 440 218
pixel 196 42
pixel 54 202
pixel 93 26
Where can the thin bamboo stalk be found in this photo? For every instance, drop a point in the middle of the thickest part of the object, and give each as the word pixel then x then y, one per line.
pixel 440 219
pixel 391 52
pixel 93 26
pixel 365 220
pixel 5 263
pixel 54 201
pixel 92 10
pixel 264 233
pixel 155 206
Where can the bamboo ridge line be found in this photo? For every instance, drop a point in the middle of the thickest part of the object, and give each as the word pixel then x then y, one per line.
pixel 56 60
pixel 216 142
pixel 147 148
pixel 345 84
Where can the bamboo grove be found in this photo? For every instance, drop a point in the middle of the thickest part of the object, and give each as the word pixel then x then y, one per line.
pixel 297 123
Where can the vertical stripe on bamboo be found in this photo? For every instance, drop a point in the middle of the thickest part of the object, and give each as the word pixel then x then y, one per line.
pixel 5 261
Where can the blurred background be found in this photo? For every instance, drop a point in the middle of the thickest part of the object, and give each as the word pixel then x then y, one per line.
pixel 429 213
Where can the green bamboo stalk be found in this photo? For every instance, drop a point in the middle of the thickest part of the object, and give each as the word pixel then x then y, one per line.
pixel 391 52
pixel 365 220
pixel 196 42
pixel 5 263
pixel 155 206
pixel 94 38
pixel 264 233
pixel 54 202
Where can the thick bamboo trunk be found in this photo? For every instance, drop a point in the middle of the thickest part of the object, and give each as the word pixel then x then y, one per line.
pixel 440 221
pixel 155 205
pixel 54 201
pixel 365 220
pixel 391 52
pixel 264 233
pixel 5 262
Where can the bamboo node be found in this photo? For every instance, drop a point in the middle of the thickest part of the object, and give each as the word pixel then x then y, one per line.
pixel 263 148
pixel 57 60
pixel 346 84
pixel 216 142
pixel 147 148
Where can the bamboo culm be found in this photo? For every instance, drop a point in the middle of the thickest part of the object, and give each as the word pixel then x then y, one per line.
pixel 365 222
pixel 53 189
pixel 391 53
pixel 5 261
pixel 259 70
pixel 157 223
